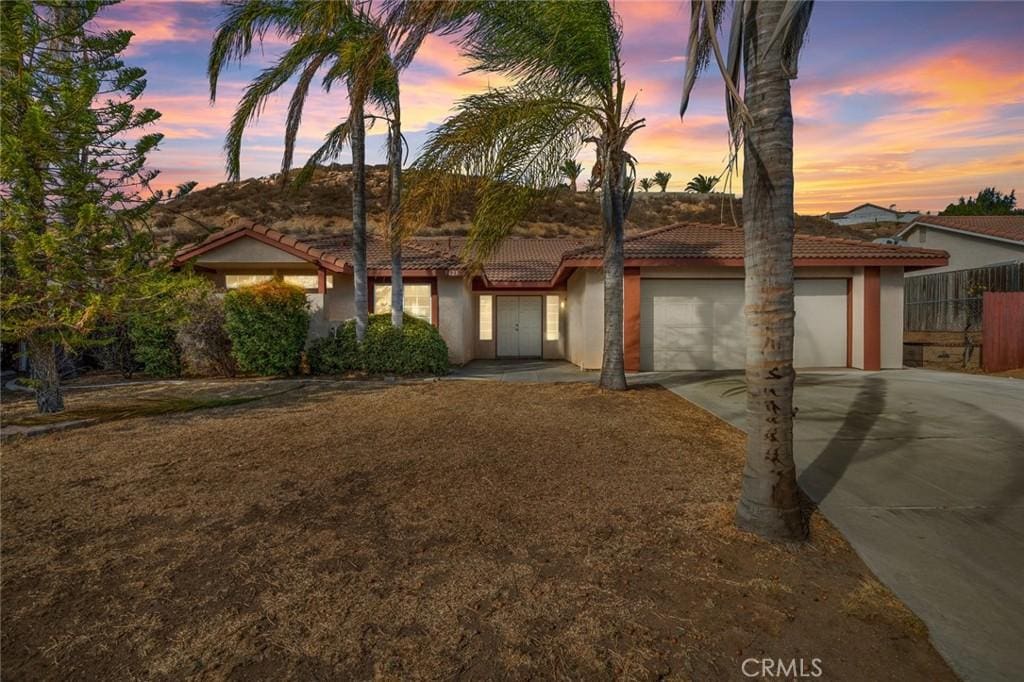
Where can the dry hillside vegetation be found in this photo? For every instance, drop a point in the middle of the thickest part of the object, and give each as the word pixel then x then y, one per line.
pixel 414 531
pixel 325 205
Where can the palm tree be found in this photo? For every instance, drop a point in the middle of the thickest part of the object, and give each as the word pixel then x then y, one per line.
pixel 336 36
pixel 661 179
pixel 764 42
pixel 385 49
pixel 572 169
pixel 702 184
pixel 646 184
pixel 508 144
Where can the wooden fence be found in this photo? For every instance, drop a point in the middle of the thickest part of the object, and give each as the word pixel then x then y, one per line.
pixel 1003 331
pixel 952 301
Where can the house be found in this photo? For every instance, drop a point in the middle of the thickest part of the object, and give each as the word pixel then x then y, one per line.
pixel 971 241
pixel 544 298
pixel 871 213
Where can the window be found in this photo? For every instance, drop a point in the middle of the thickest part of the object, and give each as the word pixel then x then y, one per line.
pixel 417 300
pixel 307 281
pixel 235 281
pixel 552 308
pixel 486 317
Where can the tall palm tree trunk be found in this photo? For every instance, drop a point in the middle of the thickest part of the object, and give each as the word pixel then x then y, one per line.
pixel 42 355
pixel 769 501
pixel 394 206
pixel 613 372
pixel 361 300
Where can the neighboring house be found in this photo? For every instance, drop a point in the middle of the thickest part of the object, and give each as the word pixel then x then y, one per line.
pixel 871 213
pixel 971 241
pixel 544 298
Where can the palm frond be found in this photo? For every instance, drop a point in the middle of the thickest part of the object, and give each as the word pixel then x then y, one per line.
pixel 254 100
pixel 295 106
pixel 331 149
pixel 573 44
pixel 699 45
pixel 246 22
pixel 512 143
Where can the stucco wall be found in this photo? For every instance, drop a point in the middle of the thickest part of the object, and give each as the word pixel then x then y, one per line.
pixel 964 250
pixel 455 317
pixel 585 318
pixel 338 300
pixel 891 295
pixel 247 251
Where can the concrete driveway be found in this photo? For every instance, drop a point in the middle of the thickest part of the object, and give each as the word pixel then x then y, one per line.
pixel 923 472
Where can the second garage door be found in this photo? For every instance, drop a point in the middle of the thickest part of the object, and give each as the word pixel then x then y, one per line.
pixel 698 324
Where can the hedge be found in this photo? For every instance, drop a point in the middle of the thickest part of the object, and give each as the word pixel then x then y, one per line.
pixel 416 348
pixel 267 324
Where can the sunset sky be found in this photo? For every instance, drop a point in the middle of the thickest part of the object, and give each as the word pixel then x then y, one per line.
pixel 913 104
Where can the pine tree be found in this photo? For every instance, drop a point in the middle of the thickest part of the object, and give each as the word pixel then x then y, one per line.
pixel 73 180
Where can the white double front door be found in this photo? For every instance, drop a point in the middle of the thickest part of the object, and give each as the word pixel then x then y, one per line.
pixel 519 326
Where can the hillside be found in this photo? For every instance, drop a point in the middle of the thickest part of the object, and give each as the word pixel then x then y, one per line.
pixel 325 205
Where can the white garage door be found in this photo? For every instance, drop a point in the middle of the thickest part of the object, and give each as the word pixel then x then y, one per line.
pixel 698 324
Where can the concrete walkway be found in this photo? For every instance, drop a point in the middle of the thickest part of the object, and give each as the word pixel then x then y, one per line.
pixel 543 371
pixel 923 472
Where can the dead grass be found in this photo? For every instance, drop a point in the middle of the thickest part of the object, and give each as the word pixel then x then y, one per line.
pixel 429 530
pixel 872 602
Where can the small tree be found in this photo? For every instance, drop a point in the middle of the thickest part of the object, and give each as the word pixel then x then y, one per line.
pixel 661 179
pixel 702 184
pixel 73 176
pixel 572 170
pixel 989 201
pixel 646 184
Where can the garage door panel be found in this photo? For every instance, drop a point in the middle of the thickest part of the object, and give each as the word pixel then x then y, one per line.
pixel 699 324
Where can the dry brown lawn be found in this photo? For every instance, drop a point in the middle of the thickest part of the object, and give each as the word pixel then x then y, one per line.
pixel 427 530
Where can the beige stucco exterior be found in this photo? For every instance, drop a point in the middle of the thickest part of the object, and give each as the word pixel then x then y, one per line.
pixel 581 303
pixel 965 250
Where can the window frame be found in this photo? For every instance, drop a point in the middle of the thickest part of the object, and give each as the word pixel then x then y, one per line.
pixel 548 328
pixel 480 318
pixel 385 300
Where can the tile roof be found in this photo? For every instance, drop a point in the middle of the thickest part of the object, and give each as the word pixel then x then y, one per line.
pixel 723 242
pixel 525 260
pixel 415 256
pixel 517 259
pixel 999 226
pixel 271 235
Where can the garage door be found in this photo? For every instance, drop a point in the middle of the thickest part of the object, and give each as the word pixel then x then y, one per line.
pixel 698 324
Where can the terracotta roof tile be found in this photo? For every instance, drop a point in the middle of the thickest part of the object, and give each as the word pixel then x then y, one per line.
pixel 518 259
pixel 538 260
pixel 723 242
pixel 999 226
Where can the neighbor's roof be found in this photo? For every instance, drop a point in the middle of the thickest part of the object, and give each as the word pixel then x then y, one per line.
pixel 843 214
pixel 1005 227
pixel 692 241
pixel 520 260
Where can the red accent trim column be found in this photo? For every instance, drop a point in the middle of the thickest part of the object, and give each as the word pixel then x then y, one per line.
pixel 631 319
pixel 872 318
pixel 321 281
pixel 434 306
pixel 849 322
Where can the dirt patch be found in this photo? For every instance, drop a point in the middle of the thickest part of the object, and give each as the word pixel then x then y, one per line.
pixel 441 529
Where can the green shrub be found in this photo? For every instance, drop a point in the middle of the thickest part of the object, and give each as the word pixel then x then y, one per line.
pixel 267 324
pixel 416 348
pixel 336 353
pixel 154 347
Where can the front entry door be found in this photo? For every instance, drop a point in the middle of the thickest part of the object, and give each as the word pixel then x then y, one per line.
pixel 519 326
